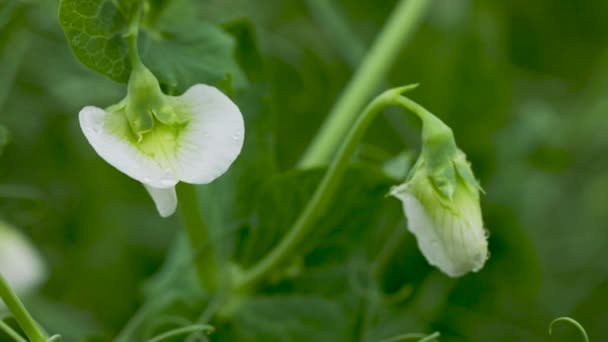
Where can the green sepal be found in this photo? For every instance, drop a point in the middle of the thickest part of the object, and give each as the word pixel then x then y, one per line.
pixel 140 121
pixel 463 167
pixel 444 180
pixel 146 103
pixel 439 151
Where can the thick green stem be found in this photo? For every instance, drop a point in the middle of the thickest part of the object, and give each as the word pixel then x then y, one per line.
pixel 395 34
pixel 198 234
pixel 14 304
pixel 318 204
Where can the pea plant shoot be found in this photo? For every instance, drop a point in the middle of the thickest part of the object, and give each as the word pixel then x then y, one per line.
pixel 331 246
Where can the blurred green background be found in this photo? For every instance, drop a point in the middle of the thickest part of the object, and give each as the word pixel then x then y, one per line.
pixel 523 84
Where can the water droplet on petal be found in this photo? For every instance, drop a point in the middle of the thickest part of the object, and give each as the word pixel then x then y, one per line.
pixel 486 233
pixel 147 179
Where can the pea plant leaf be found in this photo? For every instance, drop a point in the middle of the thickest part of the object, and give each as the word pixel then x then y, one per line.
pixel 94 31
pixel 178 48
pixel 358 200
pixel 14 42
pixel 286 318
pixel 4 138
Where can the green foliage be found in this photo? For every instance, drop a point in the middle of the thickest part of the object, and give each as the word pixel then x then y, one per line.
pixel 521 84
pixel 175 45
pixel 4 138
pixel 94 30
pixel 286 318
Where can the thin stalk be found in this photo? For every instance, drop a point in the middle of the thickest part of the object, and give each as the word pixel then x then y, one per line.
pixel 11 333
pixel 198 234
pixel 320 200
pixel 365 82
pixel 392 246
pixel 25 320
pixel 182 331
pixel 351 47
pixel 132 35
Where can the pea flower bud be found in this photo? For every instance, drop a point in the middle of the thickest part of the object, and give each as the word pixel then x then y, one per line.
pixel 441 201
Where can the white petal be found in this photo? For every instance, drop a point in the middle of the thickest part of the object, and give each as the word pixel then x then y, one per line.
pixel 106 132
pixel 429 243
pixel 20 263
pixel 165 199
pixel 449 242
pixel 212 139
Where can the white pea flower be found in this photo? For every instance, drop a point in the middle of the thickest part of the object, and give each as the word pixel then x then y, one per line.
pixel 160 140
pixel 20 263
pixel 448 228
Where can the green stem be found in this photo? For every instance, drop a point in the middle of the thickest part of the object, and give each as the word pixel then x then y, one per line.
pixel 11 333
pixel 198 234
pixel 207 329
pixel 414 336
pixel 323 194
pixel 401 25
pixel 14 304
pixel 392 246
pixel 340 35
pixel 351 47
pixel 134 51
pixel 573 322
pixel 132 35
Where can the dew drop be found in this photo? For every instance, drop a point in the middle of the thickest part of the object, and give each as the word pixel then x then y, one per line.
pixel 147 179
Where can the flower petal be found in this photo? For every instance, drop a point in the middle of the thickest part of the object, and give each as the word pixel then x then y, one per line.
pixel 454 243
pixel 20 262
pixel 165 199
pixel 108 133
pixel 213 138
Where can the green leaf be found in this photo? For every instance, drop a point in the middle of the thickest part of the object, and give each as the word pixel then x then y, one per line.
pixel 14 42
pixel 178 48
pixel 165 312
pixel 292 318
pixel 4 138
pixel 346 224
pixel 190 52
pixel 229 201
pixel 94 30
